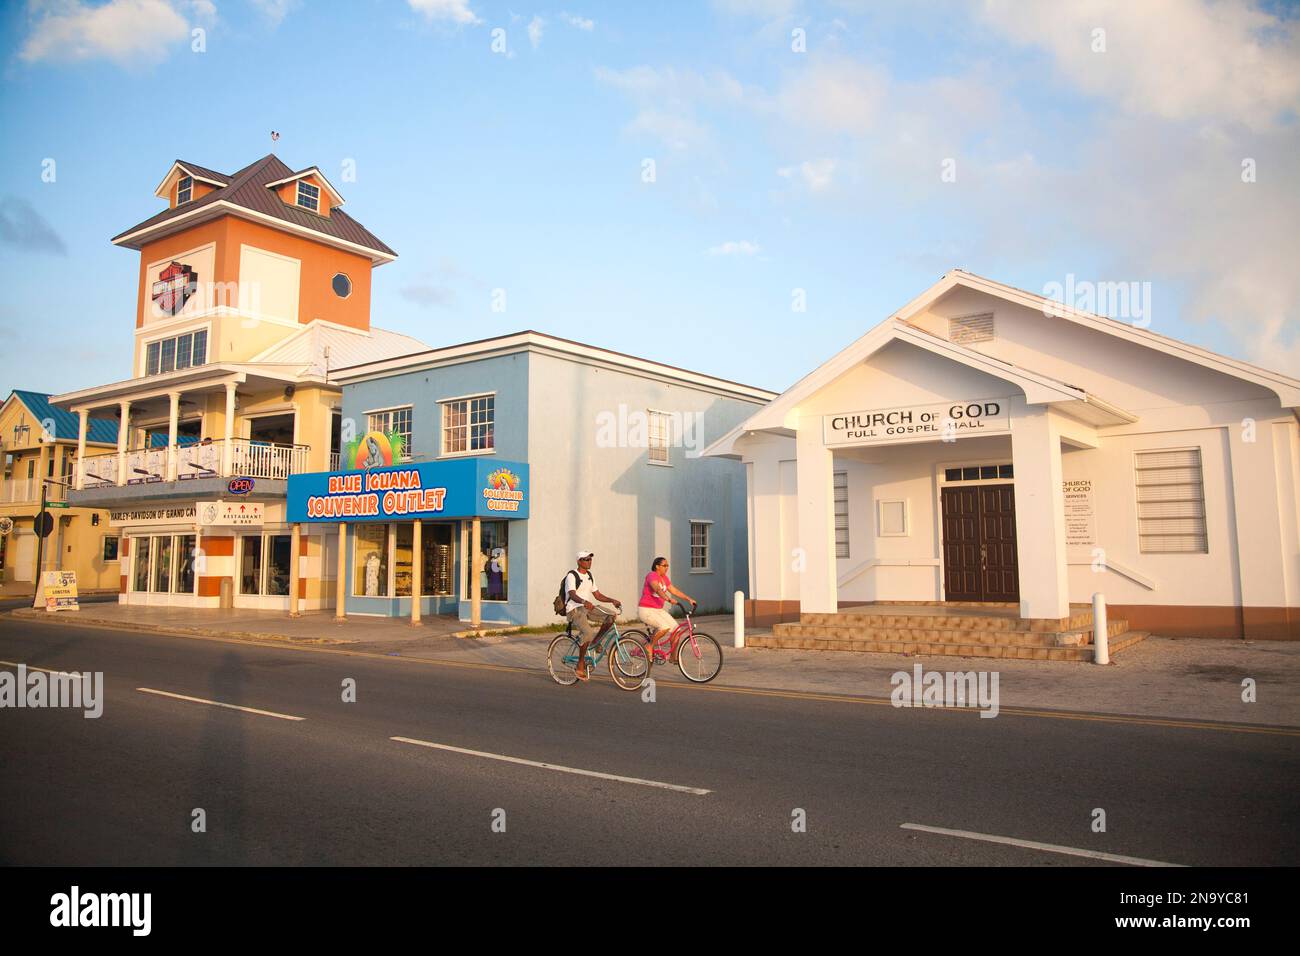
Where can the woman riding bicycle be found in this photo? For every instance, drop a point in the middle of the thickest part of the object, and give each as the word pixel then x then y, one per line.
pixel 657 591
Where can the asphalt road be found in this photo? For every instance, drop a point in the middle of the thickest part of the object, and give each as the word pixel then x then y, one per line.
pixel 335 788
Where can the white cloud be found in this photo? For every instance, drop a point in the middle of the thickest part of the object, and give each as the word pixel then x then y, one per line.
pixel 275 10
pixel 837 95
pixel 535 31
pixel 128 32
pixel 730 248
pixel 457 11
pixel 1177 59
pixel 577 22
pixel 815 174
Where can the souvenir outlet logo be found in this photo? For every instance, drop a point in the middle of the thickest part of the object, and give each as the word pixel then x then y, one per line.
pixel 946 689
pixel 38 688
pixel 502 491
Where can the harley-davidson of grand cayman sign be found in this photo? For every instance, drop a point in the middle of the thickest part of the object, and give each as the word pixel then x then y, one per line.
pixel 174 287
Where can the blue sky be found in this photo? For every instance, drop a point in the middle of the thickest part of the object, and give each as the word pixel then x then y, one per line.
pixel 1111 157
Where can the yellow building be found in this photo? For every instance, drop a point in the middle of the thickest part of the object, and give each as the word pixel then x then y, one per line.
pixel 39 442
pixel 253 287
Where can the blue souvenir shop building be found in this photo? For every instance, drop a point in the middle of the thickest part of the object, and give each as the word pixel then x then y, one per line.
pixel 479 469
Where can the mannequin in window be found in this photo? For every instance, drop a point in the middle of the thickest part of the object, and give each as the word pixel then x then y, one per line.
pixel 372 575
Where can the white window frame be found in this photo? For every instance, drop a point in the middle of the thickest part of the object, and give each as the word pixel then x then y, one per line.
pixel 181 184
pixel 907 517
pixel 206 328
pixel 443 404
pixel 1137 503
pixel 708 545
pixel 408 437
pixel 666 435
pixel 315 207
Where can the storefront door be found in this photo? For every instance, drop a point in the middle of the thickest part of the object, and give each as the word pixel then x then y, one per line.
pixel 979 543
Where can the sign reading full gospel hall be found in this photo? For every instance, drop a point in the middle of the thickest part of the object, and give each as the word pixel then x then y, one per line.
pixel 461 488
pixel 948 420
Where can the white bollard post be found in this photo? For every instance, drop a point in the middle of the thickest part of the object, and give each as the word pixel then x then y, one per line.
pixel 738 604
pixel 1100 636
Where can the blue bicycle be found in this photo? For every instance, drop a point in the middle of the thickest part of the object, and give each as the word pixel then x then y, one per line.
pixel 629 663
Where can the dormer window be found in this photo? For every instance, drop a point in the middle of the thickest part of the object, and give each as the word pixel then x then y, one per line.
pixel 184 189
pixel 308 196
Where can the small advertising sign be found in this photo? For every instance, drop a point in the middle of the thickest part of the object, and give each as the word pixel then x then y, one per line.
pixel 230 514
pixel 60 589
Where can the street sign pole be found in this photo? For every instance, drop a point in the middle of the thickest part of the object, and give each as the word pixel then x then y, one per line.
pixel 40 546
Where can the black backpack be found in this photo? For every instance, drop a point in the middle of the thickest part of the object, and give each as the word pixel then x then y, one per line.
pixel 562 598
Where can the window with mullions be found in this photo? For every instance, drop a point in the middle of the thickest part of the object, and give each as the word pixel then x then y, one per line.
pixel 700 546
pixel 468 425
pixel 183 351
pixel 308 196
pixel 394 420
pixel 184 190
pixel 978 472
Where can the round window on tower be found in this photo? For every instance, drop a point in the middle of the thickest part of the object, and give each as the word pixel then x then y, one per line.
pixel 342 285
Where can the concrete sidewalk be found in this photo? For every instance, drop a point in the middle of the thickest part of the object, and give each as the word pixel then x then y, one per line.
pixel 1189 679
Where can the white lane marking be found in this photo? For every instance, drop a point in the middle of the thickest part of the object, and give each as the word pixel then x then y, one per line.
pixel 553 766
pixel 1032 845
pixel 217 703
pixel 33 667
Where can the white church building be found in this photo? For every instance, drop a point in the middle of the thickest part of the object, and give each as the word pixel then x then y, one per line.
pixel 988 446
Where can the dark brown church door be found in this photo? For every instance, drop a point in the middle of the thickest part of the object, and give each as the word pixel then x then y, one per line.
pixel 979 543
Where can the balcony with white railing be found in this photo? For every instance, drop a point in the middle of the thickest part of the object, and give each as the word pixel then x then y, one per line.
pixel 240 458
pixel 27 491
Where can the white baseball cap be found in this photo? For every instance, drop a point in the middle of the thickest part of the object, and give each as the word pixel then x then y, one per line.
pixel 586 554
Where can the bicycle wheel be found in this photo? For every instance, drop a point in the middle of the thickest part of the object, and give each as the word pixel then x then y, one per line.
pixel 629 664
pixel 562 660
pixel 701 660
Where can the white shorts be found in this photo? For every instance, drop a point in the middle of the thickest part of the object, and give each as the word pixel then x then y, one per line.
pixel 657 617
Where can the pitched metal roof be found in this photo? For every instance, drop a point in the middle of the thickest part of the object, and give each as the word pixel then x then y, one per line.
pixel 203 172
pixel 247 189
pixel 101 431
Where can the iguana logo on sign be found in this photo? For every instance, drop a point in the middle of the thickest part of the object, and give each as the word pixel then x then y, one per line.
pixel 174 287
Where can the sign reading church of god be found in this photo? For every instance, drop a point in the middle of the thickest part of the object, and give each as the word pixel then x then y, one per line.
pixel 979 416
pixel 460 488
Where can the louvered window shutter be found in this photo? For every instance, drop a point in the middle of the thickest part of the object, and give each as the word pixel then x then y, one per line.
pixel 1171 502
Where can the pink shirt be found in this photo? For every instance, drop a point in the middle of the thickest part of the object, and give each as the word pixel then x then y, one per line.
pixel 649 596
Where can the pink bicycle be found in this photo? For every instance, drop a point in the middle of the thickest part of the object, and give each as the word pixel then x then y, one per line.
pixel 696 654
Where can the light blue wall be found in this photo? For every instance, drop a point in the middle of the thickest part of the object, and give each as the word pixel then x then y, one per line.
pixel 584 492
pixel 505 375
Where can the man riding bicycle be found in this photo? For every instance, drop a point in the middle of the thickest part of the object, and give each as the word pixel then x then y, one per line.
pixel 588 620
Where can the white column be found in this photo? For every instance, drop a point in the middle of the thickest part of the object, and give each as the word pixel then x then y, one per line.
pixel 83 425
pixel 123 434
pixel 227 452
pixel 1040 515
pixel 417 570
pixel 295 572
pixel 341 586
pixel 817 587
pixel 475 567
pixel 172 422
